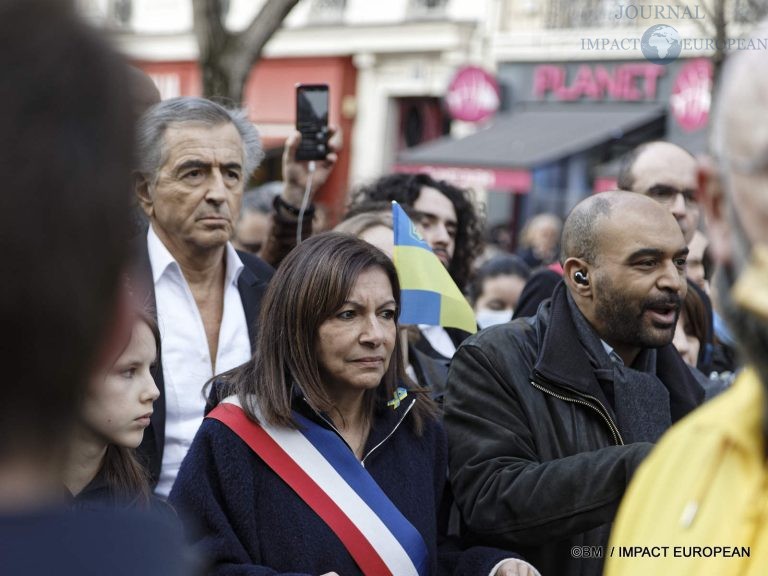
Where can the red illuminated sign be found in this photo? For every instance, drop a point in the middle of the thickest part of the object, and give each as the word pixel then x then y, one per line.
pixel 626 82
pixel 473 95
pixel 692 95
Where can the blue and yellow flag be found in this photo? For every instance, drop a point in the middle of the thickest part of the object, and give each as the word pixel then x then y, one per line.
pixel 429 294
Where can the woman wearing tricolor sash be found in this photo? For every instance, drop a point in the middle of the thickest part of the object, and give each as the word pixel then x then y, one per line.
pixel 320 459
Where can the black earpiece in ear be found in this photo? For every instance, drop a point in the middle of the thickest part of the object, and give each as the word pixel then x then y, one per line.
pixel 581 278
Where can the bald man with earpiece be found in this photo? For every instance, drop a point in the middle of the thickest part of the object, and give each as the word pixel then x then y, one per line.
pixel 548 417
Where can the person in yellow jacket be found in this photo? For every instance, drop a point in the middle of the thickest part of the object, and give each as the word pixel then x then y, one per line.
pixel 699 503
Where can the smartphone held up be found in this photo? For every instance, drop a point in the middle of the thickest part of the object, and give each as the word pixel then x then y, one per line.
pixel 312 121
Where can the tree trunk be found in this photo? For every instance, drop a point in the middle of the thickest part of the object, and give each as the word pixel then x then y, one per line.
pixel 721 35
pixel 226 58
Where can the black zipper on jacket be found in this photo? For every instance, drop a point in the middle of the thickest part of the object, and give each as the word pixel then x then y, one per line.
pixel 387 437
pixel 601 410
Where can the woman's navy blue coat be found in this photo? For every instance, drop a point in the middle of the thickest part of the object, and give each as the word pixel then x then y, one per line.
pixel 247 521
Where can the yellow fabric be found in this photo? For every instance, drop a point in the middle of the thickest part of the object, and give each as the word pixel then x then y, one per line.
pixel 749 291
pixel 419 269
pixel 705 485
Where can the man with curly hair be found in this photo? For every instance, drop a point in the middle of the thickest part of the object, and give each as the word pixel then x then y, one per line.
pixel 449 222
pixel 445 215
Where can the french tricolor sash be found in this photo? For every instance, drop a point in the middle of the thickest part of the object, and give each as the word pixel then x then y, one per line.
pixel 316 463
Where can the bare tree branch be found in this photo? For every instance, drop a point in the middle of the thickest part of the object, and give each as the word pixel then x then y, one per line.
pixel 708 11
pixel 702 23
pixel 265 24
pixel 758 8
pixel 208 26
pixel 226 58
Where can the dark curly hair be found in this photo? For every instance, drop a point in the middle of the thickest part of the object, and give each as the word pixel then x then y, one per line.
pixel 405 189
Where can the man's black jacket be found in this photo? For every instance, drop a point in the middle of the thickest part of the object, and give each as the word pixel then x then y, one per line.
pixel 536 458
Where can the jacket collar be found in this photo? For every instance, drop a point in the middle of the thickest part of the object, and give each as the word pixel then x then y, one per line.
pixel 562 359
pixel 385 418
pixel 567 365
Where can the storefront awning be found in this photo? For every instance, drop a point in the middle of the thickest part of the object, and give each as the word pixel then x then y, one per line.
pixel 535 136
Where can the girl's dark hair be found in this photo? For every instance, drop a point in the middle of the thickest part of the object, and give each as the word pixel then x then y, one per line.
pixel 311 285
pixel 127 479
pixel 500 265
pixel 405 189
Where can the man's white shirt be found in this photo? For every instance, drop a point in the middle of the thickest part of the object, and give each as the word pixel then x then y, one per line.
pixel 439 339
pixel 184 347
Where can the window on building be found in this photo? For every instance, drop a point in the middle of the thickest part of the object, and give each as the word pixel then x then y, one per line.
pixel 749 11
pixel 420 120
pixel 582 14
pixel 327 10
pixel 90 8
pixel 121 12
pixel 427 8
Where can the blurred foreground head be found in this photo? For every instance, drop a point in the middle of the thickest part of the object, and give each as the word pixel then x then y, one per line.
pixel 66 139
pixel 735 197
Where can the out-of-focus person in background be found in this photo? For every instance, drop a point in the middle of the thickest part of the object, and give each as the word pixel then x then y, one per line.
pixel 691 328
pixel 725 360
pixel 66 151
pixel 699 261
pixel 496 288
pixel 374 227
pixel 690 336
pixel 540 240
pixel 498 240
pixel 702 491
pixel 253 225
pixel 666 173
pixel 326 392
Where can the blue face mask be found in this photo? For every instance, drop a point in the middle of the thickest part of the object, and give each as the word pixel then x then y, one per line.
pixel 486 318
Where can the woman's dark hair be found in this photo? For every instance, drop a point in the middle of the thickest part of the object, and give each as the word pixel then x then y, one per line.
pixel 500 265
pixel 405 189
pixel 309 287
pixel 695 316
pixel 127 479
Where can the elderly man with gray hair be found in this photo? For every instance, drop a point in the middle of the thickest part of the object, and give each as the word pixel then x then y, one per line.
pixel 194 159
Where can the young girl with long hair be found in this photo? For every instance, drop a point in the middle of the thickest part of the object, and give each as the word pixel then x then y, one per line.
pixel 102 469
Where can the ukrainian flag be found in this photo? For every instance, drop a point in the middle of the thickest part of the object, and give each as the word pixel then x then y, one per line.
pixel 429 294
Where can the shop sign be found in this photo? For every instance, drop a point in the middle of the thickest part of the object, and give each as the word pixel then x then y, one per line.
pixel 692 95
pixel 473 95
pixel 632 82
pixel 501 179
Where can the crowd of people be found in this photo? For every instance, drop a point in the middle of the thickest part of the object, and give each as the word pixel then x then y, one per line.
pixel 230 391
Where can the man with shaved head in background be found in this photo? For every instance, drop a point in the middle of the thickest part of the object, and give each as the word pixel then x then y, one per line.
pixel 549 416
pixel 666 173
pixel 705 486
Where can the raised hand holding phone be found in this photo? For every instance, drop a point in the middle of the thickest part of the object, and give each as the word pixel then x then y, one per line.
pixel 312 121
